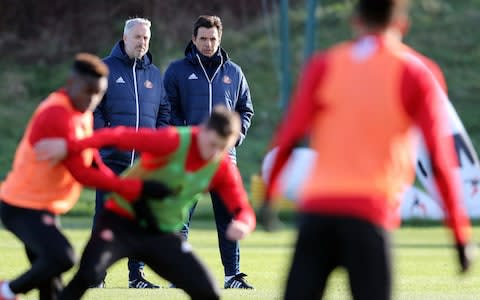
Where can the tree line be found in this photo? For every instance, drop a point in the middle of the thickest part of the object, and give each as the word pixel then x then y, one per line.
pixel 50 30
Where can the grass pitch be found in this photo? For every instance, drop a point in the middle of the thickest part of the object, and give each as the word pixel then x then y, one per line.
pixel 424 265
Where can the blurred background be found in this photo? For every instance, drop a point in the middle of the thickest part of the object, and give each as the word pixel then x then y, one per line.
pixel 39 38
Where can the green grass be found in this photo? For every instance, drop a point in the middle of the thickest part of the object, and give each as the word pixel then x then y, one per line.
pixel 424 265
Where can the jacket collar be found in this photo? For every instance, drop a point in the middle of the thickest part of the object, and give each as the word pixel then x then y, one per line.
pixel 118 51
pixel 191 54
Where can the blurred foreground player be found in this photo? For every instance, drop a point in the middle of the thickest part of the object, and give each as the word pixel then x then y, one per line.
pixel 36 192
pixel 363 135
pixel 190 161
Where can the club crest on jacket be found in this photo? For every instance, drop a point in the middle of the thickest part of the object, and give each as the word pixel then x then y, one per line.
pixel 227 79
pixel 148 84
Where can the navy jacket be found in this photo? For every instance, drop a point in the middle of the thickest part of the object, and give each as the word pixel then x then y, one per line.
pixel 192 94
pixel 135 97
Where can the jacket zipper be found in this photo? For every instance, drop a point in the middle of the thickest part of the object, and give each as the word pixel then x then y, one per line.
pixel 210 93
pixel 210 96
pixel 137 119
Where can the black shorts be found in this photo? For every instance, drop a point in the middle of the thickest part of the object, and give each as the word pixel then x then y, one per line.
pixel 167 254
pixel 47 249
pixel 327 242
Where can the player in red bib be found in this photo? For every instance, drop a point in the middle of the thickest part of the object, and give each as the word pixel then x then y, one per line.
pixel 36 192
pixel 189 161
pixel 358 102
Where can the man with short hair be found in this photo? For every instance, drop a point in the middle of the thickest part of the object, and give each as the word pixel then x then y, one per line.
pixel 205 77
pixel 35 193
pixel 189 161
pixel 136 98
pixel 351 199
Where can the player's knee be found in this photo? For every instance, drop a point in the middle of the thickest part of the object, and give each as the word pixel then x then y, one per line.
pixel 64 260
pixel 80 282
pixel 59 265
pixel 89 275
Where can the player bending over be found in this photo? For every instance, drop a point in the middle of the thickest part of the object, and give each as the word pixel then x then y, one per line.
pixel 190 161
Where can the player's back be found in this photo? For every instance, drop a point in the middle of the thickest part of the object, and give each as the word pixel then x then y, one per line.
pixel 363 132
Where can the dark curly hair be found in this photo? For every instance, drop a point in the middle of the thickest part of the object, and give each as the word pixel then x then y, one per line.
pixel 90 65
pixel 208 22
pixel 379 13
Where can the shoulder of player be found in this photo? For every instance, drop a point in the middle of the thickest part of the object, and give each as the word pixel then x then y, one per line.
pixel 56 113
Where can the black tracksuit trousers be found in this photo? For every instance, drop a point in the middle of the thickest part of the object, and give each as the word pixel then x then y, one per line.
pixel 47 248
pixel 115 237
pixel 326 242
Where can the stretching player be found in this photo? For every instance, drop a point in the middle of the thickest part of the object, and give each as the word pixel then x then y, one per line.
pixel 35 192
pixel 190 161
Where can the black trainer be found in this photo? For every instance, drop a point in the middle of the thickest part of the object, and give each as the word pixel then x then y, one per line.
pixel 141 283
pixel 238 282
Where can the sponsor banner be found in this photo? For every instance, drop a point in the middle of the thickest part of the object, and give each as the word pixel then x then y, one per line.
pixel 418 201
pixel 294 173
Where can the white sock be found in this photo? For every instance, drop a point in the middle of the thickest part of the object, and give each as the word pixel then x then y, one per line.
pixel 227 278
pixel 6 291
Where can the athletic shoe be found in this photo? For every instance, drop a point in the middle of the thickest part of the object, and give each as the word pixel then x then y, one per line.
pixel 141 283
pixel 238 282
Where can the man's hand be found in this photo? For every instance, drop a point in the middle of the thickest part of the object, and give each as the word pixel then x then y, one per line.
pixel 151 191
pixel 237 230
pixel 268 217
pixel 466 255
pixel 155 190
pixel 144 214
pixel 52 149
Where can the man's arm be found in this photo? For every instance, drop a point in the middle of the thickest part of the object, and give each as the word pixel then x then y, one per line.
pixel 298 119
pixel 55 122
pixel 101 177
pixel 98 115
pixel 425 101
pixel 227 182
pixel 156 142
pixel 163 116
pixel 244 107
pixel 177 116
